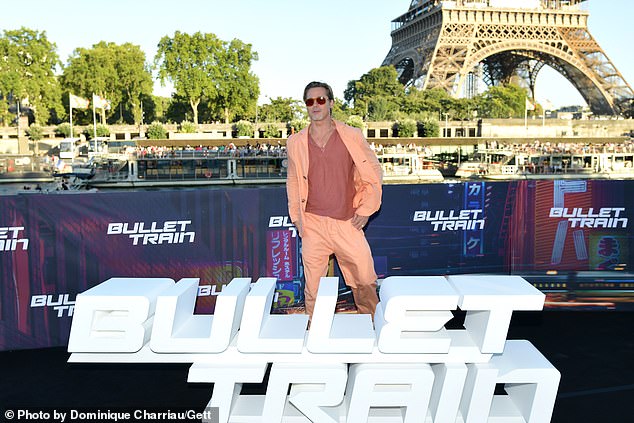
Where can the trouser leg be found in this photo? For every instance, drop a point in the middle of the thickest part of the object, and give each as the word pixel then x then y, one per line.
pixel 357 266
pixel 316 253
pixel 365 298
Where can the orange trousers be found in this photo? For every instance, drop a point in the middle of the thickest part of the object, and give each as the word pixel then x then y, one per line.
pixel 324 236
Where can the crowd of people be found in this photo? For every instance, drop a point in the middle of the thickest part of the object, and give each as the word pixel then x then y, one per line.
pixel 548 148
pixel 229 150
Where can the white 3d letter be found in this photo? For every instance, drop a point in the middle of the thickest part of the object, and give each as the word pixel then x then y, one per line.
pixel 176 328
pixel 412 312
pixel 262 332
pixel 490 301
pixel 337 333
pixel 115 316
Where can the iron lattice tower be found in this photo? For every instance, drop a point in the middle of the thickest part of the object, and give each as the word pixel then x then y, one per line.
pixel 445 43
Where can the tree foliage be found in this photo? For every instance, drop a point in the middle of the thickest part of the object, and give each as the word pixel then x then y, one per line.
pixel 238 88
pixel 35 132
pixel 297 124
pixel 355 121
pixel 63 129
pixel 502 102
pixel 27 72
pixel 117 73
pixel 244 128
pixel 100 130
pixel 376 95
pixel 204 68
pixel 281 110
pixel 156 131
pixel 271 130
pixel 187 127
pixel 134 77
pixel 406 128
pixel 213 81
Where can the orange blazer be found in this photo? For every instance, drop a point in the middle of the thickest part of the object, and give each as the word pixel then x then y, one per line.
pixel 368 175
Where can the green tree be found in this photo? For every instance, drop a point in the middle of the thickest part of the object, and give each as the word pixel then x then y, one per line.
pixel 5 115
pixel 133 77
pixel 340 111
pixel 382 108
pixel 280 110
pixel 297 125
pixel 156 131
pixel 244 128
pixel 434 101
pixel 187 127
pixel 27 72
pixel 406 128
pixel 238 87
pixel 35 132
pixel 355 121
pixel 102 131
pixel 376 93
pixel 92 71
pixel 271 131
pixel 203 67
pixel 429 128
pixel 117 73
pixel 63 129
pixel 155 108
pixel 500 102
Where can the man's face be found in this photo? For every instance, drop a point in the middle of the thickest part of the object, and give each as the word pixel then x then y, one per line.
pixel 317 111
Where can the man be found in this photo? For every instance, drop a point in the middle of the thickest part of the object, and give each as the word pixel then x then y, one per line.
pixel 334 185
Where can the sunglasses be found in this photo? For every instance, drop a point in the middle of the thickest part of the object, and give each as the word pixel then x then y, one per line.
pixel 320 100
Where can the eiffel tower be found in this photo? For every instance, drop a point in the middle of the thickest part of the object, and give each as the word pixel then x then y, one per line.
pixel 455 44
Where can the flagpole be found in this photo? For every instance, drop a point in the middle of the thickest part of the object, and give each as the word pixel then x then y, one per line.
pixel 94 120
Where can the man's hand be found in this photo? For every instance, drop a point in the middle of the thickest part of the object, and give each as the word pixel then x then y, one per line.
pixel 359 222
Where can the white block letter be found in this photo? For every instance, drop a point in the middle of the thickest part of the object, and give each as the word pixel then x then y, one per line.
pixel 177 329
pixel 227 380
pixel 412 312
pixel 115 316
pixel 406 386
pixel 341 333
pixel 313 386
pixel 262 332
pixel 490 301
pixel 530 381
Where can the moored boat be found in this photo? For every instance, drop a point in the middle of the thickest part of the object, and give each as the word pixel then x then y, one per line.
pixel 188 167
pixel 156 167
pixel 28 169
pixel 526 163
pixel 408 165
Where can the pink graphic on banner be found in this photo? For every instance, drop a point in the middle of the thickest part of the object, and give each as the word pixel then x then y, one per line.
pixel 279 259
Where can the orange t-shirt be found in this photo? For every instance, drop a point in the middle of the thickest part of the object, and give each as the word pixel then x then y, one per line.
pixel 330 179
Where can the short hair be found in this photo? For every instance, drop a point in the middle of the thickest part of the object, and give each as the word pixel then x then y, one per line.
pixel 317 84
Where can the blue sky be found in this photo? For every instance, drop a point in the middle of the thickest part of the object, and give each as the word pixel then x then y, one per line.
pixel 297 41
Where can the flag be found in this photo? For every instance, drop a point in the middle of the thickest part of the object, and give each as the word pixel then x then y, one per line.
pixel 77 102
pixel 548 105
pixel 529 105
pixel 98 102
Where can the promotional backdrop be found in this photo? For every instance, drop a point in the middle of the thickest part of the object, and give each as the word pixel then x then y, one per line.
pixel 569 238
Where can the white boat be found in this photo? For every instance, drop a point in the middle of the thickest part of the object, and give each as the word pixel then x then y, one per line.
pixel 499 164
pixel 24 168
pixel 196 167
pixel 408 165
pixel 187 167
